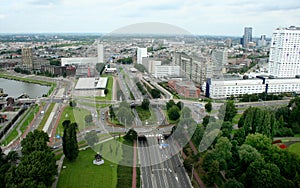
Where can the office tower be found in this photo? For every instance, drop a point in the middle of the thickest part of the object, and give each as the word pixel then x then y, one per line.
pixel 100 53
pixel 219 60
pixel 27 58
pixel 247 37
pixel 262 41
pixel 141 52
pixel 284 59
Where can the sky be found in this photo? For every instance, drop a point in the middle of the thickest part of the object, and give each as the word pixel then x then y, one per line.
pixel 203 17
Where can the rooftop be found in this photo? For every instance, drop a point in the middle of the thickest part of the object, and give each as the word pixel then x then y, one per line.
pixel 91 83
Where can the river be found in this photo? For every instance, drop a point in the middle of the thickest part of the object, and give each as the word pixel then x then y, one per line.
pixel 16 88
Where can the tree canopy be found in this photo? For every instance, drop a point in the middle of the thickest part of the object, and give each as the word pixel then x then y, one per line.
pixel 69 141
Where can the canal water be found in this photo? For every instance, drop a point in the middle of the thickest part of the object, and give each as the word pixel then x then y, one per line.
pixel 16 88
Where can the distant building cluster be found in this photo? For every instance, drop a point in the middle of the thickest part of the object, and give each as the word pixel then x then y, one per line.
pixel 283 75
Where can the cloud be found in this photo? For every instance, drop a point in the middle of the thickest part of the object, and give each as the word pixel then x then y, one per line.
pixel 2 16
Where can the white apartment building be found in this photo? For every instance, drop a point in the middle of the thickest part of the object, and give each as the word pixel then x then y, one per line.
pixel 150 63
pixel 284 60
pixel 222 88
pixel 166 71
pixel 219 59
pixel 141 52
pixel 193 69
pixel 100 52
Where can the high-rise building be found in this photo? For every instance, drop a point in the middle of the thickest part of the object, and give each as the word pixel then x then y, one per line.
pixel 192 68
pixel 262 41
pixel 219 60
pixel 284 59
pixel 141 52
pixel 100 53
pixel 27 58
pixel 247 37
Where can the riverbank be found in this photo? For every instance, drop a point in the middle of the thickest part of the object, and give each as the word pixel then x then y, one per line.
pixel 30 80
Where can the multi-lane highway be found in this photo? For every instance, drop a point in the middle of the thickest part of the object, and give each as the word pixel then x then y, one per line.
pixel 160 167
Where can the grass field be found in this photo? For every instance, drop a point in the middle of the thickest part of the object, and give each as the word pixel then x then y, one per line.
pixel 236 118
pixel 143 114
pixel 297 135
pixel 46 116
pixel 83 173
pixel 295 148
pixel 70 114
pixel 30 117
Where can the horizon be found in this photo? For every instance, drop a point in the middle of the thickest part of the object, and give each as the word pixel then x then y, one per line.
pixel 210 18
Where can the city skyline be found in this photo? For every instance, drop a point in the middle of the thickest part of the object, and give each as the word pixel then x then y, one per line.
pixel 197 17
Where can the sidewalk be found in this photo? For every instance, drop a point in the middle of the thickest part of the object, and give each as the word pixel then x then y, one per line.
pixel 134 165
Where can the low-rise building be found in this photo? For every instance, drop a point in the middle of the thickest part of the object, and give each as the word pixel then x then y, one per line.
pixel 186 89
pixel 166 71
pixel 220 88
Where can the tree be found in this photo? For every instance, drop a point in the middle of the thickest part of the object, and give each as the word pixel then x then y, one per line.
pixel 145 104
pixel 260 173
pixel 69 142
pixel 226 129
pixel 39 167
pixel 207 119
pixel 233 183
pixel 228 111
pixel 35 141
pixel 73 103
pixel 155 93
pixel 180 105
pixel 198 134
pixel 212 173
pixel 106 91
pixel 88 118
pixel 248 154
pixel 170 104
pixel 131 135
pixel 111 112
pixel 173 113
pixel 208 107
pixel 12 157
pixel 259 141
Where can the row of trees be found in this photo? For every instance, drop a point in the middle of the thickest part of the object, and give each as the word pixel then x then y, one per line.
pixel 246 158
pixel 22 71
pixel 260 96
pixel 141 88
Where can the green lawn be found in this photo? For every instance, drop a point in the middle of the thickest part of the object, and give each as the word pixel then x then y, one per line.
pixel 143 114
pixel 46 116
pixel 83 173
pixel 70 114
pixel 295 148
pixel 236 118
pixel 12 135
pixel 111 150
pixel 297 135
pixel 30 117
pixel 93 104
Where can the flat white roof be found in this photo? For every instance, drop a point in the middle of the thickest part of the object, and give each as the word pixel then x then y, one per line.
pixel 91 83
pixel 79 60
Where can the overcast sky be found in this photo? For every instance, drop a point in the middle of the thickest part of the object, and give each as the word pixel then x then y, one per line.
pixel 204 17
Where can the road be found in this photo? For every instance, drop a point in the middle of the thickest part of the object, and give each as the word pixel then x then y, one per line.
pixel 160 167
